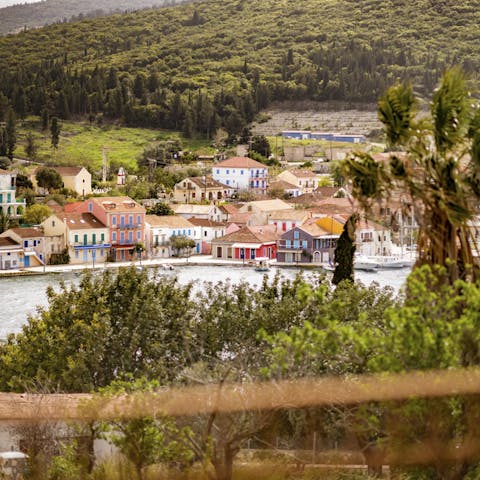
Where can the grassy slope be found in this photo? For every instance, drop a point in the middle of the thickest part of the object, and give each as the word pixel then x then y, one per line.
pixel 82 144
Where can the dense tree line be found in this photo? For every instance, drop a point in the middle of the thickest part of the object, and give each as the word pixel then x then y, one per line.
pixel 197 68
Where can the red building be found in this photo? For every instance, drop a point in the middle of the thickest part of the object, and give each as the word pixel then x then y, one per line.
pixel 246 244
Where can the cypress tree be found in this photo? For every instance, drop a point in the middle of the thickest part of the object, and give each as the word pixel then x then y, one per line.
pixel 55 132
pixel 345 251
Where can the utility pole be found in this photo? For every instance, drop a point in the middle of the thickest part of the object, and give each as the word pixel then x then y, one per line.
pixel 104 164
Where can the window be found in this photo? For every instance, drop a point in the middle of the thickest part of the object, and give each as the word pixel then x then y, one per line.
pixel 139 219
pixel 189 232
pixel 288 243
pixel 228 172
pixel 304 244
pixel 296 234
pixel 34 243
pixel 90 207
pixel 25 244
pixel 218 171
pixel 228 182
pixel 130 237
pixel 53 223
pixel 114 236
pixel 76 239
pixel 114 219
pixel 139 235
pixel 102 237
pixel 241 172
pixel 183 232
pixel 130 219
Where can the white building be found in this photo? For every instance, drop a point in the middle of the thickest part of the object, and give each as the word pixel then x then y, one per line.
pixel 8 204
pixel 159 229
pixel 242 173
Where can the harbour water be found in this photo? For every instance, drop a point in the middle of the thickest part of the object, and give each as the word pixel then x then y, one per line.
pixel 20 296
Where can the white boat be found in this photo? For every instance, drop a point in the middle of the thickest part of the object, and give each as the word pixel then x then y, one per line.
pixel 391 261
pixel 367 264
pixel 262 264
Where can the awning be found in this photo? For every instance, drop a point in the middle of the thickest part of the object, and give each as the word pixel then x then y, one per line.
pixel 247 245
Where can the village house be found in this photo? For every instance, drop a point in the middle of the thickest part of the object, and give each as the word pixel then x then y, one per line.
pixel 305 180
pixel 11 254
pixel 242 174
pixel 205 232
pixel 307 243
pixel 247 244
pixel 8 203
pixel 207 212
pixel 125 220
pixel 86 238
pixel 33 242
pixel 285 220
pixel 159 229
pixel 262 209
pixel 288 189
pixel 77 179
pixel 199 189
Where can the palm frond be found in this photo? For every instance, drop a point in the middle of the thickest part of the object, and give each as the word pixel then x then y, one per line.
pixel 396 110
pixel 451 110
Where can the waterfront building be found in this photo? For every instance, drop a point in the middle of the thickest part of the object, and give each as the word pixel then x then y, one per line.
pixel 247 244
pixel 125 220
pixel 86 238
pixel 33 242
pixel 159 229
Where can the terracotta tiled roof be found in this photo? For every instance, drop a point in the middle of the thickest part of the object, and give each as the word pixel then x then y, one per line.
pixel 283 185
pixel 82 221
pixel 263 234
pixel 239 162
pixel 117 204
pixel 240 218
pixel 7 241
pixel 205 222
pixel 268 205
pixel 168 221
pixel 72 207
pixel 210 183
pixel 313 229
pixel 291 214
pixel 27 232
pixel 327 192
pixel 228 208
pixel 302 173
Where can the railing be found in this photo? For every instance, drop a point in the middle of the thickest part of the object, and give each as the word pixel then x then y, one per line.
pixel 291 246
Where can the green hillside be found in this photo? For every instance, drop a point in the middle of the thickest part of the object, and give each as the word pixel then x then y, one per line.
pixel 216 63
pixel 33 15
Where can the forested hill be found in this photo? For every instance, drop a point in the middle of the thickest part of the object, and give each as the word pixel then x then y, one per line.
pixel 217 62
pixel 33 15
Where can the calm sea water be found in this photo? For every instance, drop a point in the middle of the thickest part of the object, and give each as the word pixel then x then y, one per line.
pixel 20 296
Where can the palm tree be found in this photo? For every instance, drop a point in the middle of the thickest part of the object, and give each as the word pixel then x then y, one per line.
pixel 434 162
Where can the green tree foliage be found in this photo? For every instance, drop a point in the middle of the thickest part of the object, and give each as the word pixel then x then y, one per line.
pixel 436 171
pixel 48 178
pixel 31 147
pixel 182 244
pixel 55 129
pixel 260 144
pixel 8 137
pixel 146 440
pixel 160 209
pixel 345 251
pixel 5 221
pixel 36 214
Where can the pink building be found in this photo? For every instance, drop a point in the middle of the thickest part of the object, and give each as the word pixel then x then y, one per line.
pixel 125 220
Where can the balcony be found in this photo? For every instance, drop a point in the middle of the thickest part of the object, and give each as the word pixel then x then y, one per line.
pixel 129 226
pixel 89 246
